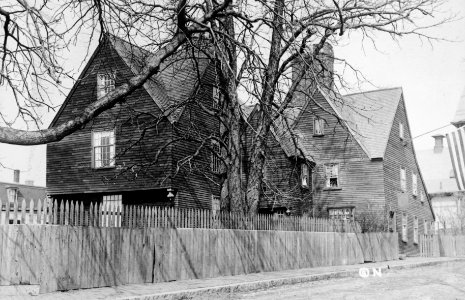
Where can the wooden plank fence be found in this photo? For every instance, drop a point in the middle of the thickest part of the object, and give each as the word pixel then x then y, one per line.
pixel 73 257
pixel 72 213
pixel 442 245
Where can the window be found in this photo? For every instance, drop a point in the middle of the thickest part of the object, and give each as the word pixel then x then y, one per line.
pixel 304 175
pixel 425 227
pixel 215 204
pixel 392 221
pixel 414 184
pixel 404 227
pixel 332 175
pixel 105 84
pixel 401 130
pixel 216 98
pixel 112 206
pixel 403 180
pixel 344 213
pixel 215 159
pixel 103 148
pixel 12 194
pixel 422 197
pixel 318 126
pixel 415 230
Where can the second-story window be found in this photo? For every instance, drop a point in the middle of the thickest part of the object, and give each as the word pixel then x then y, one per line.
pixel 401 130
pixel 103 149
pixel 332 175
pixel 304 175
pixel 215 159
pixel 404 227
pixel 403 180
pixel 414 185
pixel 216 98
pixel 105 84
pixel 318 126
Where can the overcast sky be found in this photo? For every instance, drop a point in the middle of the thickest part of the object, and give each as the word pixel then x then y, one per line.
pixel 432 78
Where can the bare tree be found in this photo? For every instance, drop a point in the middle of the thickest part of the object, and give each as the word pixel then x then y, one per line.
pixel 254 44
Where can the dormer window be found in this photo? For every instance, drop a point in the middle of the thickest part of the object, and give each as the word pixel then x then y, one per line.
pixel 105 84
pixel 304 175
pixel 318 126
pixel 401 130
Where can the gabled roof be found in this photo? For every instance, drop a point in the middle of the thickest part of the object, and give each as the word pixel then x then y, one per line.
pixel 459 118
pixel 175 82
pixel 370 116
pixel 24 191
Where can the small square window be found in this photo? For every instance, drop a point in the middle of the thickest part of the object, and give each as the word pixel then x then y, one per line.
pixel 318 126
pixel 332 175
pixel 105 84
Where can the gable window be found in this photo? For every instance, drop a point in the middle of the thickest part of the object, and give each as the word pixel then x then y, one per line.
pixel 215 158
pixel 332 175
pixel 304 175
pixel 105 84
pixel 401 130
pixel 318 126
pixel 414 184
pixel 343 213
pixel 403 180
pixel 103 149
pixel 415 230
pixel 215 204
pixel 112 206
pixel 404 227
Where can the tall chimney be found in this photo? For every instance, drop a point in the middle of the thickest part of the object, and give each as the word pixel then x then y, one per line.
pixel 438 143
pixel 16 176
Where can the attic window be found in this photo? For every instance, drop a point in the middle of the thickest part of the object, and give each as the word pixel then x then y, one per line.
pixel 401 130
pixel 318 126
pixel 403 180
pixel 105 84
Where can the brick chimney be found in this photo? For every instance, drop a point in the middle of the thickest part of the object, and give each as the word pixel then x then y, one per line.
pixel 438 143
pixel 320 73
pixel 16 176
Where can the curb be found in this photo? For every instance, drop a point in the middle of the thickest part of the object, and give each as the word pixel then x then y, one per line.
pixel 271 283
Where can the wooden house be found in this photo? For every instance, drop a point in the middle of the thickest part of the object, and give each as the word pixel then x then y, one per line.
pixel 144 149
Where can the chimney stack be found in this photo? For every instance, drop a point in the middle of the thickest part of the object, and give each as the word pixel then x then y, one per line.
pixel 16 176
pixel 438 143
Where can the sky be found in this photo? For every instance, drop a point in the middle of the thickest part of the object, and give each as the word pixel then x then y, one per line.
pixel 432 77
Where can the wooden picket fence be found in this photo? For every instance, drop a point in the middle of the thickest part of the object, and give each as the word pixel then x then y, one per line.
pixel 442 245
pixel 131 216
pixel 429 246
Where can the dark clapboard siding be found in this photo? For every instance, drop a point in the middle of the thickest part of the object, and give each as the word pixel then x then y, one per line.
pixel 401 154
pixel 194 188
pixel 69 161
pixel 361 180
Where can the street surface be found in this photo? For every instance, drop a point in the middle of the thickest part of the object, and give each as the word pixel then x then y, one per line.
pixel 436 282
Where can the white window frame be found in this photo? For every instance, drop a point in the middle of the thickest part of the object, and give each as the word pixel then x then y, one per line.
pixel 415 230
pixel 318 126
pixel 414 184
pixel 425 227
pixel 343 213
pixel 304 175
pixel 217 96
pixel 105 84
pixel 216 204
pixel 403 179
pixel 112 205
pixel 215 160
pixel 401 131
pixel 331 174
pixel 98 148
pixel 12 194
pixel 404 227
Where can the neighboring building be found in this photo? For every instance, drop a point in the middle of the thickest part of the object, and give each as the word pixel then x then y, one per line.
pixel 11 192
pixel 109 162
pixel 443 168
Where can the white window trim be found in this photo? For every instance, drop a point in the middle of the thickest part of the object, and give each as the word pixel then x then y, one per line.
pixel 217 96
pixel 403 179
pixel 404 227
pixel 304 175
pixel 112 147
pixel 328 178
pixel 318 126
pixel 105 83
pixel 401 131
pixel 425 227
pixel 414 184
pixel 216 202
pixel 342 213
pixel 415 230
pixel 112 205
